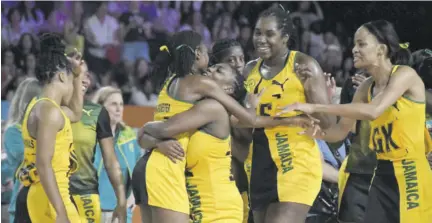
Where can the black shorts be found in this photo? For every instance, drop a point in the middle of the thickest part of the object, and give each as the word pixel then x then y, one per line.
pixel 21 213
pixel 354 198
pixel 139 180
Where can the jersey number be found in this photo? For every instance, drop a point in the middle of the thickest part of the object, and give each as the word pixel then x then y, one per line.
pixel 264 108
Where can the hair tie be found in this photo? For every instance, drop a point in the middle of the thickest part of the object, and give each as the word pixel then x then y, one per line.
pixel 185 45
pixel 404 45
pixel 164 48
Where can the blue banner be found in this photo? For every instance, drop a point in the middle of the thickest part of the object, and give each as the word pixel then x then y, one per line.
pixel 4 109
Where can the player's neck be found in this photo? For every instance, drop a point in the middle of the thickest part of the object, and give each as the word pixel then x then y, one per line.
pixel 50 91
pixel 381 72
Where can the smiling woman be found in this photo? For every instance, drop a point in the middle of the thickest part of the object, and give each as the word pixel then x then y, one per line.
pixel 393 101
pixel 282 185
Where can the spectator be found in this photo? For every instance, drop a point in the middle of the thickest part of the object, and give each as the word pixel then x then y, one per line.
pixel 245 40
pixel 226 21
pixel 135 30
pixel 73 29
pixel 331 57
pixel 26 45
pixel 12 32
pixel 168 19
pixel 313 40
pixel 117 8
pixel 194 22
pixel 32 17
pixel 304 13
pixel 209 12
pixel 54 23
pixel 146 96
pixel 101 31
pixel 30 65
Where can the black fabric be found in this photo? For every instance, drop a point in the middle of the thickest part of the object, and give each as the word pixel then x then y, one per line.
pixel 354 198
pixel 103 127
pixel 384 197
pixel 263 183
pixel 21 213
pixel 136 32
pixel 139 180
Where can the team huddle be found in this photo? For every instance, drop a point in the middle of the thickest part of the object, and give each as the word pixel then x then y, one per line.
pixel 229 137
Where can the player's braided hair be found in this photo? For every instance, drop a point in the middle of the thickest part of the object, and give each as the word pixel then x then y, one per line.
pixel 178 57
pixel 52 58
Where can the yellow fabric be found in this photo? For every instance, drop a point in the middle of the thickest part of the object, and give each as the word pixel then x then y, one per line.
pixel 165 180
pixel 88 206
pixel 399 132
pixel 63 164
pixel 212 191
pixel 297 157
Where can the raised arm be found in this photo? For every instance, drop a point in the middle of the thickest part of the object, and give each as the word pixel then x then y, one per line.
pixel 49 123
pixel 74 109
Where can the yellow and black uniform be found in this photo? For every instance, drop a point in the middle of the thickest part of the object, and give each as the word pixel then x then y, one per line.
pixel 212 191
pixel 283 166
pixel 63 163
pixel 93 126
pixel 156 180
pixel 355 176
pixel 401 186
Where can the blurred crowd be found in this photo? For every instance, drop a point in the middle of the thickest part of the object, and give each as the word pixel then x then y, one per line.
pixel 120 39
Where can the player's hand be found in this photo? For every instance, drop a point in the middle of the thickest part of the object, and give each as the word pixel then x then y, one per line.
pixel 303 107
pixel 76 62
pixel 119 214
pixel 331 84
pixel 357 79
pixel 314 131
pixel 63 218
pixel 304 121
pixel 252 100
pixel 172 149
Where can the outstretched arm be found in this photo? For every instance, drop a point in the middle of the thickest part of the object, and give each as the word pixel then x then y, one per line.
pixel 49 123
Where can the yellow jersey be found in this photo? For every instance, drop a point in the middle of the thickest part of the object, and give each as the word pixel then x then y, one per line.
pixel 213 194
pixel 165 180
pixel 399 133
pixel 282 166
pixel 64 159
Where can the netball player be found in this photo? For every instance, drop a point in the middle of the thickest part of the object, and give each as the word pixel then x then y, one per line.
pixel 213 197
pixel 230 51
pixel 47 133
pixel 164 181
pixel 12 139
pixel 94 127
pixel 392 99
pixel 285 168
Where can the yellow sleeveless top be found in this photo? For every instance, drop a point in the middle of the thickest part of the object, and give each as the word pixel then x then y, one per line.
pixel 283 89
pixel 399 132
pixel 166 108
pixel 64 160
pixel 209 154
